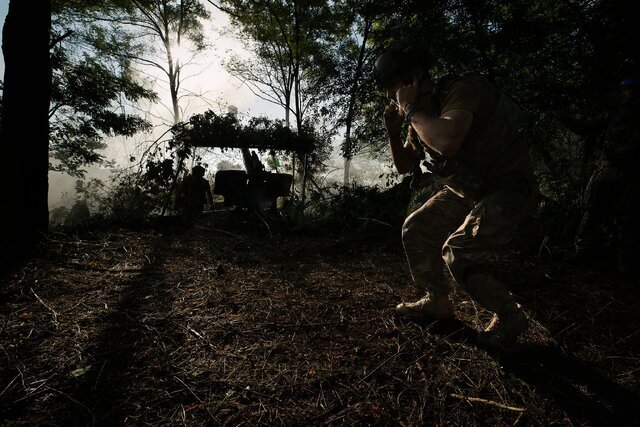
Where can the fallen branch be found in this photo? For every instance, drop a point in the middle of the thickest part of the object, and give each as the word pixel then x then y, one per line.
pixel 85 267
pixel 488 402
pixel 53 312
pixel 10 384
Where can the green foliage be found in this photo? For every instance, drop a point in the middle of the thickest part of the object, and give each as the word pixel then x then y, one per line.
pixel 129 197
pixel 158 177
pixel 225 131
pixel 95 87
pixel 82 113
pixel 320 136
pixel 289 38
pixel 58 215
pixel 91 87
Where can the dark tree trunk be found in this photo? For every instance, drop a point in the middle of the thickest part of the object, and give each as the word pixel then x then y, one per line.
pixel 24 132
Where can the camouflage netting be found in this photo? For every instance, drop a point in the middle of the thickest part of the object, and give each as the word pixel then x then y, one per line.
pixel 214 131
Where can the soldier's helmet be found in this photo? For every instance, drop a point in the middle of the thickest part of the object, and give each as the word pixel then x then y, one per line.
pixel 198 171
pixel 395 60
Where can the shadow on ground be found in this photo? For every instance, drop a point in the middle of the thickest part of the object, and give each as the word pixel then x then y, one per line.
pixel 584 392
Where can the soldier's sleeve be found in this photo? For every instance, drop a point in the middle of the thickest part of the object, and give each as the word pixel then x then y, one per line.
pixel 463 95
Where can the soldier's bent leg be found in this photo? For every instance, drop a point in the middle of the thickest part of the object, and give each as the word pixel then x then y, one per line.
pixel 467 253
pixel 423 234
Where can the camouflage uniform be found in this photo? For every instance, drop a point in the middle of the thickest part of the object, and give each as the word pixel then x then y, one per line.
pixel 489 187
pixel 613 190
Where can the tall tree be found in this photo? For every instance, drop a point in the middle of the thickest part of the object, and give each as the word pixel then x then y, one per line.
pixel 24 135
pixel 171 32
pixel 352 56
pixel 175 26
pixel 289 40
pixel 94 87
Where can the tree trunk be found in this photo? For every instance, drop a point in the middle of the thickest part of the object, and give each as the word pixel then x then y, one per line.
pixel 348 148
pixel 24 134
pixel 347 172
pixel 293 172
pixel 304 181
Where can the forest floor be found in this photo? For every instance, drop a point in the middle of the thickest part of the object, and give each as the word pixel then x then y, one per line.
pixel 230 323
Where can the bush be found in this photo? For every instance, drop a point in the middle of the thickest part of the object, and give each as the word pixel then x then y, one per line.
pixel 130 198
pixel 358 207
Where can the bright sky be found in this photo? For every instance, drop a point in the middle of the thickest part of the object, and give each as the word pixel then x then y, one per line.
pixel 206 85
pixel 206 78
pixel 4 5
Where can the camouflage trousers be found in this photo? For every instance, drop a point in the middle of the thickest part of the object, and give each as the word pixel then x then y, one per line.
pixel 449 230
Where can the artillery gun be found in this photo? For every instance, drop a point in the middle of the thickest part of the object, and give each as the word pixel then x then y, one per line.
pixel 254 188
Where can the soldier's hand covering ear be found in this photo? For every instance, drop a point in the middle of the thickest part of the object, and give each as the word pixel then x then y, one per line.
pixel 408 96
pixel 393 118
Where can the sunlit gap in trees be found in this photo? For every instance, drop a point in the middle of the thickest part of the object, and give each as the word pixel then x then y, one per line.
pixel 182 54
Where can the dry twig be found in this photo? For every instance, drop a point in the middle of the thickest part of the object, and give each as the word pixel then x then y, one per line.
pixel 488 402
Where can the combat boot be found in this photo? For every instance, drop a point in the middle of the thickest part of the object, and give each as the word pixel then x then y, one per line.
pixel 505 327
pixel 428 307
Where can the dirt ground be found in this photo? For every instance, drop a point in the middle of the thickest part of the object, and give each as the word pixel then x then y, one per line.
pixel 231 323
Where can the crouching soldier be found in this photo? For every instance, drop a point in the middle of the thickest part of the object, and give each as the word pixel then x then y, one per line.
pixel 472 132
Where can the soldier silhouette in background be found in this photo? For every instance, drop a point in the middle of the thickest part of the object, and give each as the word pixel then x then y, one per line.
pixel 79 214
pixel 192 194
pixel 606 230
